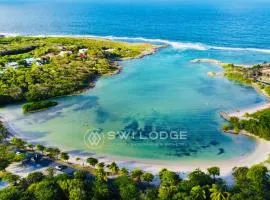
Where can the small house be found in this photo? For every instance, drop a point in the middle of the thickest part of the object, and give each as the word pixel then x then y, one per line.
pixel 63 53
pixel 30 61
pixel 14 65
pixel 40 61
pixel 83 51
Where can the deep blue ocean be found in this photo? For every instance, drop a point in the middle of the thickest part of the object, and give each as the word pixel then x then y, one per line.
pixel 229 25
pixel 165 91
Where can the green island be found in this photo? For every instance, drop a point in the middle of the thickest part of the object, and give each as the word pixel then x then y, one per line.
pixel 38 106
pixel 96 180
pixel 38 68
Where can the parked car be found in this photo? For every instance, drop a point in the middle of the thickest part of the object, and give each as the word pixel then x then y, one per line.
pixel 60 167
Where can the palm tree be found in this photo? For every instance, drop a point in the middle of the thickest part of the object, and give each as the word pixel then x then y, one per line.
pixel 214 171
pixel 56 152
pixel 92 161
pixel 148 177
pixel 114 168
pixel 136 174
pixel 218 194
pixel 40 148
pixel 124 172
pixel 64 156
pixel 31 146
pixel 19 143
pixel 101 165
pixel 101 175
pixel 197 193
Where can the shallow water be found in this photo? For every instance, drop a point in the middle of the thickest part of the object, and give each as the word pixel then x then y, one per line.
pixel 159 94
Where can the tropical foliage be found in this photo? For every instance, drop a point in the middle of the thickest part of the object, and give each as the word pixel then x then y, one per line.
pixel 257 124
pixel 250 183
pixel 57 66
pixel 110 182
pixel 37 106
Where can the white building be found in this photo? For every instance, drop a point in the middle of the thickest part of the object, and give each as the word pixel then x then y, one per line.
pixel 30 61
pixel 14 65
pixel 63 53
pixel 82 51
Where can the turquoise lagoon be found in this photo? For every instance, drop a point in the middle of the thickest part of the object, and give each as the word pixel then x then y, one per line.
pixel 163 92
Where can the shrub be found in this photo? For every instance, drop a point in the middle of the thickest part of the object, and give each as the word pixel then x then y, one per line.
pixel 37 106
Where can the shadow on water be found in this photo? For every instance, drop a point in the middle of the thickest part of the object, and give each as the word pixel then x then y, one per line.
pixel 102 115
pixel 59 111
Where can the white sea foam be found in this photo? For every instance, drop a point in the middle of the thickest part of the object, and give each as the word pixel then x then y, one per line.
pixel 185 45
pixel 175 44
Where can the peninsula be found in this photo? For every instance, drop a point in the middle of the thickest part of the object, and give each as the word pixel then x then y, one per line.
pixel 39 68
pixel 252 121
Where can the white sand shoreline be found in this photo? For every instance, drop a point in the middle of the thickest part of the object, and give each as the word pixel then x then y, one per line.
pixel 216 62
pixel 259 155
pixel 250 110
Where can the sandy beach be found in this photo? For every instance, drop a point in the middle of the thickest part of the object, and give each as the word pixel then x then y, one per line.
pixel 259 155
pixel 241 113
pixel 216 62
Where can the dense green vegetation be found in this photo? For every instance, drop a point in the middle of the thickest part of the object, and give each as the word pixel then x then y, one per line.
pixel 257 124
pixel 237 73
pixel 62 68
pixel 250 183
pixel 267 90
pixel 37 106
pixel 7 152
pixel 248 76
pixel 98 184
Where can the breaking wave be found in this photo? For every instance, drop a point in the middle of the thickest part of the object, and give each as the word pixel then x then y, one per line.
pixel 187 45
pixel 174 44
